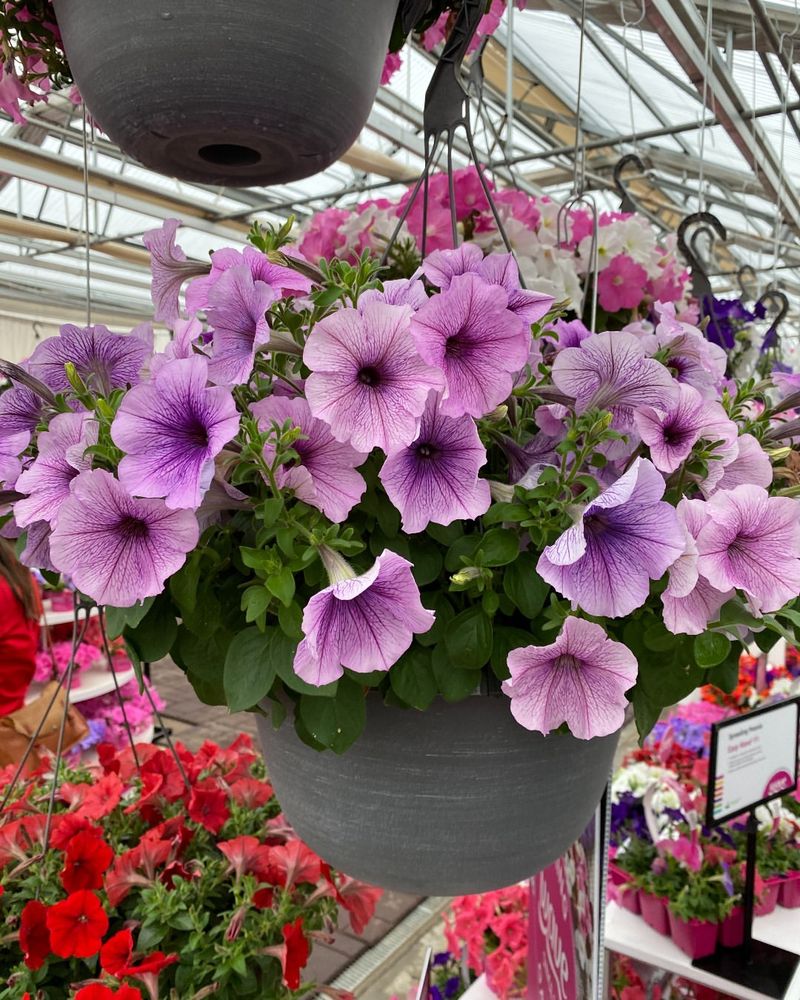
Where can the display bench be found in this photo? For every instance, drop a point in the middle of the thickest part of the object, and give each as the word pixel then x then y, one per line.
pixel 628 934
pixel 479 991
pixel 94 683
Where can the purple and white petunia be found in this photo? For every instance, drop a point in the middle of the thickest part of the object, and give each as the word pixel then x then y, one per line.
pixel 399 292
pixel 11 447
pixel 751 541
pixel 672 433
pixel 363 623
pixel 610 371
pixel 238 319
pixel 285 280
pixel 750 466
pixel 478 343
pixel 436 477
pixel 20 411
pixel 171 429
pixel 119 550
pixel 170 269
pixel 624 538
pixel 104 360
pixel 580 680
pixel 367 382
pixel 61 458
pixel 325 474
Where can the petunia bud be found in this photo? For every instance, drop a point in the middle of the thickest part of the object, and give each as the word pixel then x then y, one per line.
pixel 466 575
pixel 336 566
pixel 236 924
pixel 502 492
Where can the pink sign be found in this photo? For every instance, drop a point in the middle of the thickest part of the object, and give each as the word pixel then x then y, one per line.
pixel 551 941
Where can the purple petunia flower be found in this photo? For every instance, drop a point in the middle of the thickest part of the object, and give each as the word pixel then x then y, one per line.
pixel 60 459
pixel 610 371
pixel 171 429
pixel 626 537
pixel 671 434
pixel 690 357
pixel 367 381
pixel 750 466
pixel 116 549
pixel 36 554
pixel 285 280
pixel 570 334
pixel 20 410
pixel 11 447
pixel 364 623
pixel 170 269
pixel 104 360
pixel 436 477
pixel 751 541
pixel 479 344
pixel 580 679
pixel 325 474
pixel 400 292
pixel 238 319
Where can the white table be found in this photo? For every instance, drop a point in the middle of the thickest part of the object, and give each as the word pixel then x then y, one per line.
pixel 67 617
pixel 93 683
pixel 628 934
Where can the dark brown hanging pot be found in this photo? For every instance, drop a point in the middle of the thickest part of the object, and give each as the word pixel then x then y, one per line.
pixel 239 92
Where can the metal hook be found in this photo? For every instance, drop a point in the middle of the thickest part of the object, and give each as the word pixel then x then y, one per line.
pixel 771 338
pixel 745 269
pixel 562 225
pixel 701 286
pixel 627 204
pixel 701 231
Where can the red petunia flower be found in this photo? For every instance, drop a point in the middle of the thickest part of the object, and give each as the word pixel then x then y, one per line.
pixel 117 952
pixel 65 826
pixel 251 793
pixel 152 964
pixel 295 953
pixel 359 899
pixel 247 856
pixel 77 925
pixel 87 859
pixel 94 801
pixel 97 991
pixel 294 862
pixel 34 937
pixel 208 807
pixel 263 898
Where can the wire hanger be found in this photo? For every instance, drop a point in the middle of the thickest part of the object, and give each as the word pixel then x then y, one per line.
pixel 771 339
pixel 701 283
pixel 627 204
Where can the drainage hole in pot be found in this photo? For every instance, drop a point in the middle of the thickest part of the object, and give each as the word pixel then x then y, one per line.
pixel 227 154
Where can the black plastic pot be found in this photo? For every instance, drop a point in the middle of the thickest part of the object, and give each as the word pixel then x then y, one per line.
pixel 240 92
pixel 457 799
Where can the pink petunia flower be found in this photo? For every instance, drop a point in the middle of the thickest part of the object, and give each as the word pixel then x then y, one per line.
pixel 621 284
pixel 238 319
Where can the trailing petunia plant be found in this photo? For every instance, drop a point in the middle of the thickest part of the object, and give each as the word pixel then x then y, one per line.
pixel 330 490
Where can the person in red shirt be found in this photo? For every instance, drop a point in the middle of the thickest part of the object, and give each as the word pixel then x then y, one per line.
pixel 19 629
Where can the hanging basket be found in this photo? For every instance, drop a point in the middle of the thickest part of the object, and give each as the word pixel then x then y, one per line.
pixel 457 799
pixel 255 92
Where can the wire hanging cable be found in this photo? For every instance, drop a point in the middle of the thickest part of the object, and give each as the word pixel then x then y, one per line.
pixel 579 171
pixel 87 234
pixel 781 155
pixel 625 25
pixel 708 72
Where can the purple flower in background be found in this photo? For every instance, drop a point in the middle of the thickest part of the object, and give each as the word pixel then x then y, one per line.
pixel 751 541
pixel 610 371
pixel 400 292
pixel 36 554
pixel 436 477
pixel 367 381
pixel 570 334
pixel 441 266
pixel 479 344
pixel 325 474
pixel 689 356
pixel 169 268
pixel 104 360
pixel 20 410
pixel 625 538
pixel 116 549
pixel 11 447
pixel 171 429
pixel 580 679
pixel 364 623
pixel 672 433
pixel 285 280
pixel 237 317
pixel 751 466
pixel 60 459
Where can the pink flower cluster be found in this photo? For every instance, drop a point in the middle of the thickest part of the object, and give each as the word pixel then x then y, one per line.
pixel 138 711
pixel 52 663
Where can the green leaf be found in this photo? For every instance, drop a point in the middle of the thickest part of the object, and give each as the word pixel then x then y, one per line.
pixel 507 638
pixel 282 586
pixel 118 618
pixel 445 534
pixel 500 512
pixel 468 638
pixel 646 712
pixel 295 683
pixel 443 609
pixel 524 586
pixel 183 585
pixel 412 678
pixel 155 634
pixel 659 639
pixel 335 722
pixel 427 560
pixel 711 649
pixel 453 684
pixel 251 664
pixel 498 547
pixel 667 678
pixel 726 674
pixel 270 510
pixel 255 601
pixel 290 619
pixel 735 613
pixel 462 548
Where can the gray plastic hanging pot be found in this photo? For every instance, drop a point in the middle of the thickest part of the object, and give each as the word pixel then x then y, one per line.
pixel 457 799
pixel 239 92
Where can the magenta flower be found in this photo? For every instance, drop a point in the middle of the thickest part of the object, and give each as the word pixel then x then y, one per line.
pixel 436 477
pixel 580 679
pixel 621 284
pixel 171 429
pixel 11 447
pixel 170 269
pixel 238 319
pixel 116 549
pixel 60 459
pixel 624 538
pixel 479 344
pixel 363 623
pixel 610 371
pixel 751 541
pixel 367 381
pixel 285 280
pixel 671 434
pixel 104 360
pixel 325 474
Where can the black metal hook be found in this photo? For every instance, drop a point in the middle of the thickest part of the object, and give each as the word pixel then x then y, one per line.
pixel 627 204
pixel 771 338
pixel 701 285
pixel 745 269
pixel 700 231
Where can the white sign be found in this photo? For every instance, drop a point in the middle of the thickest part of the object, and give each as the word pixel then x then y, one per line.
pixel 755 759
